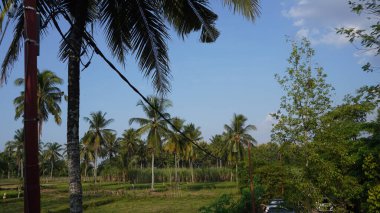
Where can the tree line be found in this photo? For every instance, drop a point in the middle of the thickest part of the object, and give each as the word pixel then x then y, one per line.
pixel 317 150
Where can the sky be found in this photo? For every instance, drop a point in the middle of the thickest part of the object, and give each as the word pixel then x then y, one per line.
pixel 210 82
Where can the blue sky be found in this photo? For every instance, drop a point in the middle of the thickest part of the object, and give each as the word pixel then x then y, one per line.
pixel 211 82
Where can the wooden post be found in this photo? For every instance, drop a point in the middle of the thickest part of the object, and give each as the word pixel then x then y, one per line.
pixel 32 172
pixel 251 179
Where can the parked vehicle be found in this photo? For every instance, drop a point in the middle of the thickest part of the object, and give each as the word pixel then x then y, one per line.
pixel 276 206
pixel 325 205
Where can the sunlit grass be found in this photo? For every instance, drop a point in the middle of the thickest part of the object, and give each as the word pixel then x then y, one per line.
pixel 122 197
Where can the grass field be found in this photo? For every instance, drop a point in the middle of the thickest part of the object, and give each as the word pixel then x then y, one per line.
pixel 121 197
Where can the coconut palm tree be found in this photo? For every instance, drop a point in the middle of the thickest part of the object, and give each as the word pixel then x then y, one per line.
pixel 111 144
pixel 130 26
pixel 129 147
pixel 49 96
pixel 52 153
pixel 175 143
pixel 219 149
pixel 193 133
pixel 8 150
pixel 18 150
pixel 142 153
pixel 154 125
pixel 86 155
pixel 129 143
pixel 96 134
pixel 237 137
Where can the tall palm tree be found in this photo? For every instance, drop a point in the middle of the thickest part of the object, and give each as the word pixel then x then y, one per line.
pixel 8 150
pixel 219 149
pixel 130 26
pixel 96 134
pixel 111 144
pixel 86 155
pixel 237 137
pixel 193 133
pixel 142 153
pixel 52 153
pixel 129 147
pixel 49 96
pixel 175 143
pixel 154 125
pixel 18 150
pixel 129 143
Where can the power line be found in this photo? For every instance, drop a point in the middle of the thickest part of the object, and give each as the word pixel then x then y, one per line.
pixel 113 67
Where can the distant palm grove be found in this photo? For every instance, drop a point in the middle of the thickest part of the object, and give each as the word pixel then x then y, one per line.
pixel 317 150
pixel 321 157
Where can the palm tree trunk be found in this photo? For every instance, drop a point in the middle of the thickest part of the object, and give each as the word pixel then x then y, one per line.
pixel 152 186
pixel 76 42
pixel 22 169
pixel 175 168
pixel 192 171
pixel 85 170
pixel 95 165
pixel 236 171
pixel 170 175
pixel 51 171
pixel 251 179
pixel 9 170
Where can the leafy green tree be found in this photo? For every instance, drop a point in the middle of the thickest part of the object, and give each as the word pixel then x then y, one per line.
pixel 49 96
pixel 96 134
pixel 52 153
pixel 369 38
pixel 237 135
pixel 374 199
pixel 306 99
pixel 154 125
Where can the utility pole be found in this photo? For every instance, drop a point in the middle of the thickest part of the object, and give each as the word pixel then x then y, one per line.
pixel 251 179
pixel 32 172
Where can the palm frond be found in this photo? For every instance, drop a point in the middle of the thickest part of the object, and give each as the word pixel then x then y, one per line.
pixel 191 15
pixel 117 34
pixel 14 48
pixel 250 9
pixel 140 121
pixel 147 38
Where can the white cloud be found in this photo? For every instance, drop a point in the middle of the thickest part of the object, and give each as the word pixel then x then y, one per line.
pixel 318 20
pixel 299 22
pixel 264 129
pixel 269 119
pixel 332 38
pixel 303 32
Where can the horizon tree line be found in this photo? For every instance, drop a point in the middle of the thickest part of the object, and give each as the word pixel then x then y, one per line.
pixel 100 141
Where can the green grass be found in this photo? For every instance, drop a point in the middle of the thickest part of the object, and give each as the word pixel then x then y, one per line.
pixel 120 197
